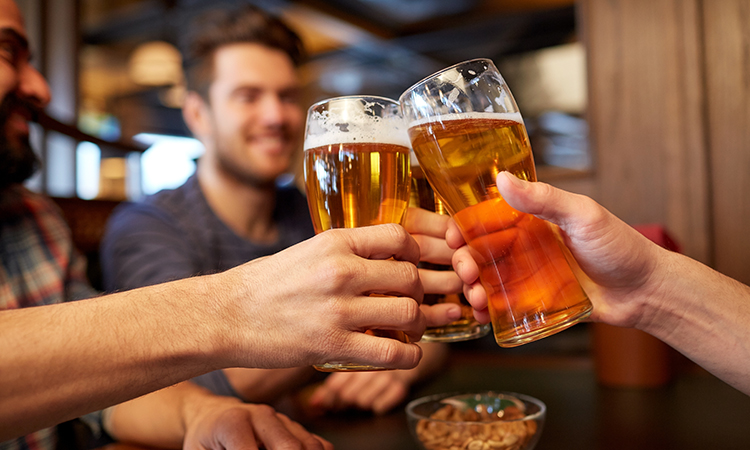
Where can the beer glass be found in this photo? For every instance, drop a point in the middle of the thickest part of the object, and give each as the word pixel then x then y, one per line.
pixel 356 168
pixel 467 327
pixel 465 128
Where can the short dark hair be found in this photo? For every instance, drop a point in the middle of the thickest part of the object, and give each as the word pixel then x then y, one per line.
pixel 220 27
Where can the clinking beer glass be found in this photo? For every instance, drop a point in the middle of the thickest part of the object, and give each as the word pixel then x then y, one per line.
pixel 465 128
pixel 356 172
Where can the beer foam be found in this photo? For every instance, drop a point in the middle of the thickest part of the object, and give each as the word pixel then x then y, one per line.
pixel 328 129
pixel 514 116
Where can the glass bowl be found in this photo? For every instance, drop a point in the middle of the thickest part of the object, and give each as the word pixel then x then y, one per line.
pixel 476 421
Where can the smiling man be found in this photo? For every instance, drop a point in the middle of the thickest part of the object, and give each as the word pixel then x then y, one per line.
pixel 63 355
pixel 243 105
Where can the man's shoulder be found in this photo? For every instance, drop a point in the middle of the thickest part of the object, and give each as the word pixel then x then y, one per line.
pixel 36 201
pixel 20 203
pixel 168 205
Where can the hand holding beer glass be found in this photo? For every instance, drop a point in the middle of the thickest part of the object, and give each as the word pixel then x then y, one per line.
pixel 466 327
pixel 465 128
pixel 356 172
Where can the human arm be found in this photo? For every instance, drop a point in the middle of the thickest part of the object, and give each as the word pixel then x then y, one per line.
pixel 633 282
pixel 165 239
pixel 378 391
pixel 305 305
pixel 190 417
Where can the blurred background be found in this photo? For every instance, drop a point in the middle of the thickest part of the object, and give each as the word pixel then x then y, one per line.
pixel 115 71
pixel 643 105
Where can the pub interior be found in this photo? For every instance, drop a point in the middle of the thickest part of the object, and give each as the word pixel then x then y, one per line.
pixel 643 105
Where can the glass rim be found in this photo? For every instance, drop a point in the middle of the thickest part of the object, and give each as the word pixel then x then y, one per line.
pixel 439 72
pixel 524 397
pixel 352 97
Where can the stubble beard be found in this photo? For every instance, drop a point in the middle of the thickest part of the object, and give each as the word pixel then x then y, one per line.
pixel 239 171
pixel 18 162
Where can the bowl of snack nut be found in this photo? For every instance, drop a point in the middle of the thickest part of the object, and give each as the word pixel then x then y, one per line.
pixel 476 421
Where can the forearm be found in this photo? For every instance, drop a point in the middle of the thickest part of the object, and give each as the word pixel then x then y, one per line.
pixel 703 314
pixel 59 362
pixel 267 385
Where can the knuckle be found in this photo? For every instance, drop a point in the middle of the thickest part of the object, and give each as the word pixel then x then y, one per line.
pixel 332 273
pixel 390 353
pixel 409 273
pixel 398 234
pixel 410 312
pixel 264 410
pixel 234 417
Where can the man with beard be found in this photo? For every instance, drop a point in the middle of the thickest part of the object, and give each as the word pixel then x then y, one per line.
pixel 61 359
pixel 243 105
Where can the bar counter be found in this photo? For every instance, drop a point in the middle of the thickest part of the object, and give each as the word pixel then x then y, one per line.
pixel 694 410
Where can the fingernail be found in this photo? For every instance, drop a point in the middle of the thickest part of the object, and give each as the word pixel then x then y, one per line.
pixel 517 182
pixel 454 313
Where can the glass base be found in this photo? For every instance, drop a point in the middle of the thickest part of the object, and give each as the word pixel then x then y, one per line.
pixel 354 367
pixel 346 367
pixel 554 324
pixel 456 332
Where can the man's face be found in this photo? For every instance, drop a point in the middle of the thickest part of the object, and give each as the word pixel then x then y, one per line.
pixel 22 89
pixel 256 118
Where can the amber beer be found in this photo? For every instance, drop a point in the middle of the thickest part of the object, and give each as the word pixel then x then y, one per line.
pixel 357 184
pixel 531 288
pixel 466 327
pixel 357 173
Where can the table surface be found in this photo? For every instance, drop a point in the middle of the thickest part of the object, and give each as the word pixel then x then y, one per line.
pixel 694 411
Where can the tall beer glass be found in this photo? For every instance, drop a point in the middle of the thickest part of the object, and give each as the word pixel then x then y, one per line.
pixel 356 172
pixel 465 128
pixel 466 327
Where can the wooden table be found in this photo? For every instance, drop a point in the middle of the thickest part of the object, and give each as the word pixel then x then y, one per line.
pixel 694 411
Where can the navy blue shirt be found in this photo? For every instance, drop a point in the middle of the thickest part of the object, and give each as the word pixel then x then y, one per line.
pixel 174 234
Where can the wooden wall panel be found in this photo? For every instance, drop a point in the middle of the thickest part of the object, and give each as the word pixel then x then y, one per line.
pixel 647 115
pixel 727 50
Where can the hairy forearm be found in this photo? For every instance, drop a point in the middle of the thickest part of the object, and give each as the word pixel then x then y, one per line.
pixel 703 314
pixel 59 362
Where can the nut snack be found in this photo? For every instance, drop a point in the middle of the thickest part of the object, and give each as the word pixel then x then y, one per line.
pixel 487 421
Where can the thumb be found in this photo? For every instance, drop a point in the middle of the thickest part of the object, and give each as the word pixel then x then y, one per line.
pixel 541 199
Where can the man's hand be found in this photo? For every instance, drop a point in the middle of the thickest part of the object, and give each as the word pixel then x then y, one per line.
pixel 311 303
pixel 378 392
pixel 617 261
pixel 224 423
pixel 191 417
pixel 371 391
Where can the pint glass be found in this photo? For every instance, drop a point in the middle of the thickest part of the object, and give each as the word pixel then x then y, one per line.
pixel 467 327
pixel 465 128
pixel 356 172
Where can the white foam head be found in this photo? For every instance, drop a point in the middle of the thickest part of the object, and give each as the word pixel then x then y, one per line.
pixel 349 121
pixel 513 116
